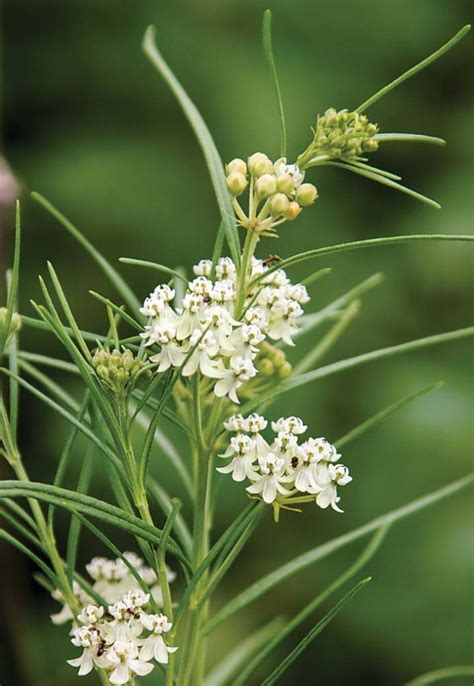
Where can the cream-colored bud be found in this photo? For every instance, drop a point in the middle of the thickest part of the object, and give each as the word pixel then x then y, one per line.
pixel 278 204
pixel 292 211
pixel 278 357
pixel 266 185
pixel 236 165
pixel 306 194
pixel 285 370
pixel 266 367
pixel 370 145
pixel 236 183
pixel 285 184
pixel 260 164
pixel 13 328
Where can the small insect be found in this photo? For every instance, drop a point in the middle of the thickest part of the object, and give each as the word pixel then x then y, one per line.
pixel 101 648
pixel 294 462
pixel 206 299
pixel 271 260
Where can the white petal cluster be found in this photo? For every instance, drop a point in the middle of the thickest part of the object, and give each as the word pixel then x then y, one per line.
pixel 126 636
pixel 285 466
pixel 124 639
pixel 202 335
pixel 112 579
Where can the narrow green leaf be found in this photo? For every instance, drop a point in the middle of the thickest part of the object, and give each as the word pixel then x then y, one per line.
pixel 234 660
pixel 205 140
pixel 375 170
pixel 154 265
pixel 48 361
pixel 87 505
pixel 267 47
pixel 384 180
pixel 440 674
pixel 308 558
pixel 111 273
pixel 414 70
pixel 179 525
pixel 329 339
pixel 409 137
pixel 355 245
pixel 315 276
pixel 8 538
pixel 315 631
pixel 68 312
pixel 54 388
pixel 368 552
pixel 117 309
pixel 386 412
pixel 342 365
pixel 23 530
pixel 218 248
pixel 335 308
pixel 41 325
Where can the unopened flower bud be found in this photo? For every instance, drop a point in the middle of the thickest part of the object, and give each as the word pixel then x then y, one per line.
pixel 236 165
pixel 236 183
pixel 13 328
pixel 306 194
pixel 279 204
pixel 266 367
pixel 292 211
pixel 259 164
pixel 370 145
pixel 266 185
pixel 285 184
pixel 278 357
pixel 285 370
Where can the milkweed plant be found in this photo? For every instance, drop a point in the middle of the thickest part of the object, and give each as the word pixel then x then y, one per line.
pixel 205 351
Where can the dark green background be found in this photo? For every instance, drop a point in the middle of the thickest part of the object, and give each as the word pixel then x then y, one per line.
pixel 90 125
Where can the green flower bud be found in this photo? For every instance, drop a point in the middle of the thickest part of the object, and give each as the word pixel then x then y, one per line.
pixel 370 145
pixel 118 370
pixel 236 165
pixel 285 184
pixel 260 164
pixel 266 185
pixel 13 327
pixel 278 357
pixel 292 210
pixel 278 204
pixel 306 194
pixel 236 183
pixel 285 370
pixel 266 367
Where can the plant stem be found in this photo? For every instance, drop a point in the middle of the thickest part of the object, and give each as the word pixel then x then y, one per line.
pixel 250 244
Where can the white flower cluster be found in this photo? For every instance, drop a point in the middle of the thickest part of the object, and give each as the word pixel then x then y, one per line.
pixel 125 637
pixel 202 333
pixel 113 639
pixel 112 579
pixel 283 468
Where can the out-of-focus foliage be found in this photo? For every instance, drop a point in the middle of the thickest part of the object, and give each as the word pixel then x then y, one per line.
pixel 88 124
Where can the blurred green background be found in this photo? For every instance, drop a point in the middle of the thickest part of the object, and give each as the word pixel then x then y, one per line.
pixel 88 123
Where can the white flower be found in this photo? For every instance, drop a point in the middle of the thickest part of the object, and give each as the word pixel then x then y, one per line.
pixel 202 357
pixel 235 423
pixel 269 482
pixel 283 323
pixel 225 268
pixel 189 320
pixel 203 268
pixel 243 450
pixel 240 370
pixel 245 340
pixel 154 646
pixel 293 425
pixel 171 354
pixel 340 474
pixel 123 657
pixel 134 559
pixel 90 614
pixel 135 599
pixel 257 317
pixel 281 167
pixel 124 625
pixel 86 637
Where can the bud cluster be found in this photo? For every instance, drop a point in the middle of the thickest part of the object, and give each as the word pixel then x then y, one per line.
pixel 282 469
pixel 119 370
pixel 276 193
pixel 340 135
pixel 13 327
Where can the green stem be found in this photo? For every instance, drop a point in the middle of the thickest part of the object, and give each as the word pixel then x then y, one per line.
pixel 250 244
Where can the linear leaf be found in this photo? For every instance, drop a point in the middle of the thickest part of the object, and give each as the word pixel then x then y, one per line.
pixel 356 245
pixel 409 137
pixel 342 365
pixel 308 558
pixel 386 412
pixel 414 70
pixel 111 273
pixel 12 298
pixel 234 660
pixel 439 674
pixel 75 526
pixel 368 552
pixel 205 140
pixel 267 47
pixel 315 631
pixel 154 265
pixel 87 505
pixel 179 525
